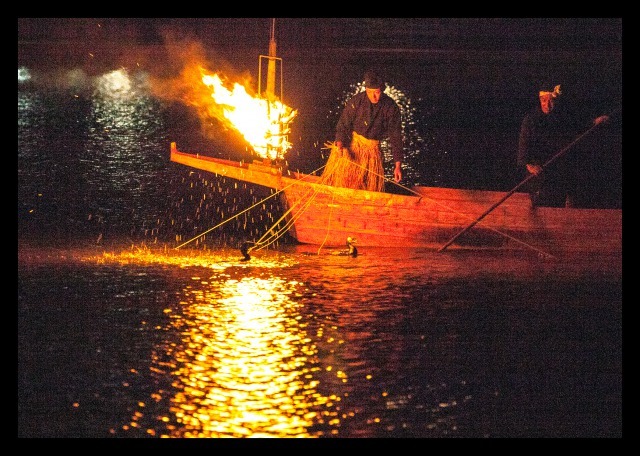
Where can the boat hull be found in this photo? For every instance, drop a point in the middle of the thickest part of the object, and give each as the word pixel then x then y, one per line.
pixel 429 217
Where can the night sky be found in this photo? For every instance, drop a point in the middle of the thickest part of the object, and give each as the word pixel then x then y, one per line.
pixel 559 34
pixel 588 47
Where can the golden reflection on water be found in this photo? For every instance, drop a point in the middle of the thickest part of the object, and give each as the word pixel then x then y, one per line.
pixel 244 365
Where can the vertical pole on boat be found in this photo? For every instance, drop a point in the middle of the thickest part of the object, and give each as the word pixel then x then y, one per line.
pixel 272 70
pixel 271 65
pixel 270 92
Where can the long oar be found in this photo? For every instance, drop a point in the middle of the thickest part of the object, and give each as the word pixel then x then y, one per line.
pixel 514 189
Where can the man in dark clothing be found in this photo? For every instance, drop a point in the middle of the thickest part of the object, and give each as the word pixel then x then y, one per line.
pixel 545 131
pixel 367 118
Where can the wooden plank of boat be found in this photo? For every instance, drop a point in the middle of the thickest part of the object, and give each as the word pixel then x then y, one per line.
pixel 327 215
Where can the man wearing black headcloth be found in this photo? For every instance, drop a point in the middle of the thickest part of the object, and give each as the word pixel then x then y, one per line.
pixel 356 160
pixel 545 131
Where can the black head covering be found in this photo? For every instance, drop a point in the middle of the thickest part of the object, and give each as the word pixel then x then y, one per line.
pixel 373 81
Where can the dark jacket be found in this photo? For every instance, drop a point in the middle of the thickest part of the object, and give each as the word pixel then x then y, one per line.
pixel 373 121
pixel 544 135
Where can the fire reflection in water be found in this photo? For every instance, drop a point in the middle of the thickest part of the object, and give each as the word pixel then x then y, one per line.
pixel 243 365
pixel 243 368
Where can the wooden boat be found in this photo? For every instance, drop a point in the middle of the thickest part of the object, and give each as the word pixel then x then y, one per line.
pixel 429 217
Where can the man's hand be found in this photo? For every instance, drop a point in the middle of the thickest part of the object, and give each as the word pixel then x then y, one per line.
pixel 397 172
pixel 534 169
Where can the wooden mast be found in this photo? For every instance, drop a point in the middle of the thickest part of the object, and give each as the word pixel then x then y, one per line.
pixel 271 65
pixel 270 93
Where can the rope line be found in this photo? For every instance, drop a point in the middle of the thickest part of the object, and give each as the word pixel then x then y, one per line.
pixel 306 201
pixel 245 210
pixel 228 220
pixel 326 236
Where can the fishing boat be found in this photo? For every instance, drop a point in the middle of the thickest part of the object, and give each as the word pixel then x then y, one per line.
pixel 429 217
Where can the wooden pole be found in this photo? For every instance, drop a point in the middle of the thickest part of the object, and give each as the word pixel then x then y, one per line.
pixel 514 189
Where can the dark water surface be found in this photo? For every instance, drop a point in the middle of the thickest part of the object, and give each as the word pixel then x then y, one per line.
pixel 120 334
pixel 389 344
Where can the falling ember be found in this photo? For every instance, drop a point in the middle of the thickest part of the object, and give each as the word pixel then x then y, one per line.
pixel 263 123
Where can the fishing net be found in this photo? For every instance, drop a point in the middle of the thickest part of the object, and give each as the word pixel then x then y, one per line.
pixel 360 167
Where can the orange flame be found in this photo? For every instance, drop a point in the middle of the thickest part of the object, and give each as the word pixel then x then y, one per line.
pixel 263 123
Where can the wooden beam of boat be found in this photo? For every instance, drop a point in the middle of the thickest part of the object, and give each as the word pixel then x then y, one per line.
pixel 254 173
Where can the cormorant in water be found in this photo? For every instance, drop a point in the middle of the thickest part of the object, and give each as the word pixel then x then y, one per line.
pixel 245 247
pixel 351 249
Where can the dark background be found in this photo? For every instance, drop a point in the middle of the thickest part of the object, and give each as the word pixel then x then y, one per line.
pixel 484 52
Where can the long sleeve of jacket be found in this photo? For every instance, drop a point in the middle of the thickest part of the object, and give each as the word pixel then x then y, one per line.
pixel 524 142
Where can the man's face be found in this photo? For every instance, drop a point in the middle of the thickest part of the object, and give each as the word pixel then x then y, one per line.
pixel 374 95
pixel 547 102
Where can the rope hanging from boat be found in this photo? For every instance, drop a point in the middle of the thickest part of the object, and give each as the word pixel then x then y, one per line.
pixel 328 222
pixel 262 244
pixel 227 220
pixel 275 235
